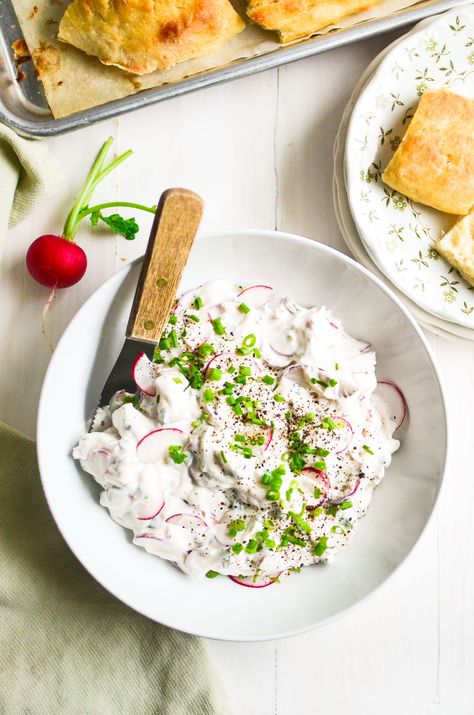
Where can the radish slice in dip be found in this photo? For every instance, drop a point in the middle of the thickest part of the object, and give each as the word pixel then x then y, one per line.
pixel 255 440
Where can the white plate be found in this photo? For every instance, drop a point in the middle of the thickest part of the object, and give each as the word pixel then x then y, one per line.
pixel 398 233
pixel 443 328
pixel 219 608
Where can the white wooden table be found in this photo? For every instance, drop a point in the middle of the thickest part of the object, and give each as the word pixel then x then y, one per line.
pixel 259 151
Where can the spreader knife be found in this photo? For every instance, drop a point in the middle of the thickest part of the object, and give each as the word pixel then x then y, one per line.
pixel 177 219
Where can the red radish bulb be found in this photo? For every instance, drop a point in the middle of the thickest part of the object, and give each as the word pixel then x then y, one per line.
pixel 56 262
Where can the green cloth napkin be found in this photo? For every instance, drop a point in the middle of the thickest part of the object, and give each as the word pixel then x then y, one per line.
pixel 28 175
pixel 67 647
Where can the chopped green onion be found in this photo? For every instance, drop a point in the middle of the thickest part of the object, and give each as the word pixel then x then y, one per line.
pixel 320 546
pixel 177 380
pixel 206 349
pixel 320 466
pixel 251 547
pixel 172 319
pixel 278 398
pixel 244 308
pixel 208 395
pixel 367 448
pixel 176 453
pixel 266 478
pixel 317 493
pixel 273 495
pixel 268 379
pixel 223 457
pixel 240 438
pixel 249 341
pixel 321 452
pixel 337 530
pixel 214 374
pixel 218 327
pixel 244 370
pixel 337 366
pixel 332 382
pixel 237 548
pixel 328 423
pixel 198 302
pixel 237 410
pixel 231 369
pixel 212 574
pixel 257 353
pixel 173 338
pixel 164 344
pixel 345 505
pixel 196 318
pixel 243 351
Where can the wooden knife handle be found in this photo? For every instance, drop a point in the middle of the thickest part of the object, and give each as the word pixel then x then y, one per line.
pixel 175 226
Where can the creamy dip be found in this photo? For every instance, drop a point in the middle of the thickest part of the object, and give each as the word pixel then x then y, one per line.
pixel 254 442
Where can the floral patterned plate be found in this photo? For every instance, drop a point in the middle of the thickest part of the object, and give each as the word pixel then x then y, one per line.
pixel 398 233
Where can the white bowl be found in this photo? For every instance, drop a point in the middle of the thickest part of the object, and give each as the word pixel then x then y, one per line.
pixel 312 274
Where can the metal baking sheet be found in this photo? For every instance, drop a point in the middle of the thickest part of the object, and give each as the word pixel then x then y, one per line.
pixel 23 105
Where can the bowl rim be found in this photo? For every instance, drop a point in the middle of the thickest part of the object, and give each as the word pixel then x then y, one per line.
pixel 43 412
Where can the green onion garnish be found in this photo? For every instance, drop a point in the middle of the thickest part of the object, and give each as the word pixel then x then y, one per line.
pixel 367 448
pixel 172 319
pixel 332 382
pixel 173 338
pixel 214 374
pixel 206 349
pixel 345 504
pixel 196 318
pixel 176 453
pixel 278 398
pixel 268 379
pixel 237 548
pixel 218 327
pixel 273 495
pixel 244 370
pixel 249 341
pixel 208 395
pixel 198 302
pixel 251 547
pixel 164 344
pixel 328 423
pixel 223 457
pixel 212 574
pixel 244 308
pixel 320 546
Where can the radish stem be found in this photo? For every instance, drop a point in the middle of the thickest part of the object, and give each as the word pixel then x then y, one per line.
pixel 95 176
pixel 110 204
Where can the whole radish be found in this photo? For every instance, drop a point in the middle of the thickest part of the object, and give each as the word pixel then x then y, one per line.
pixel 57 261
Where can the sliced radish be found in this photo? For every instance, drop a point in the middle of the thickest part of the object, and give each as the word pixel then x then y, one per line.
pixel 154 511
pixel 99 461
pixel 255 296
pixel 209 364
pixel 276 359
pixel 255 582
pixel 344 433
pixel 144 374
pixel 319 479
pixel 155 445
pixel 394 401
pixel 349 494
pixel 295 374
pixel 193 529
pixel 148 536
pixel 268 439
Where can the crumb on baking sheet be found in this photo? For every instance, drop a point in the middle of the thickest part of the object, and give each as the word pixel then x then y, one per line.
pixel 20 50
